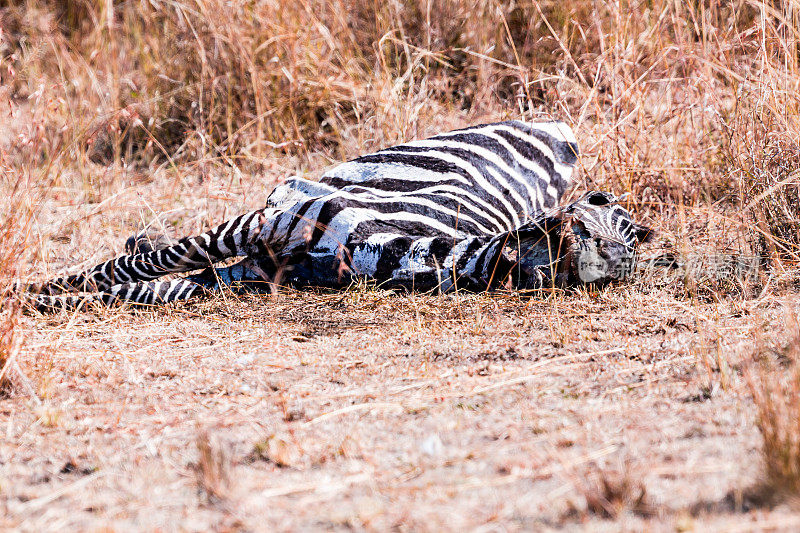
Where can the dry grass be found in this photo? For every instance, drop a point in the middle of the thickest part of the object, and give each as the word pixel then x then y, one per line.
pixel 213 468
pixel 234 82
pixel 9 314
pixel 366 409
pixel 15 222
pixel 775 385
pixel 381 410
pixel 611 494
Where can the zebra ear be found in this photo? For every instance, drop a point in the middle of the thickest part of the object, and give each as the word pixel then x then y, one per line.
pixel 600 198
pixel 643 233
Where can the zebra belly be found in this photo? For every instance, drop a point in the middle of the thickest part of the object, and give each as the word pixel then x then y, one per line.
pixel 391 259
pixel 344 235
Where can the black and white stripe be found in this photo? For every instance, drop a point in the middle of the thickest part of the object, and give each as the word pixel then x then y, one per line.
pixel 423 214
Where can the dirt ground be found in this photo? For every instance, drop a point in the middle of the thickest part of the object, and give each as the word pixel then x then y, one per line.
pixel 380 411
pixel 620 409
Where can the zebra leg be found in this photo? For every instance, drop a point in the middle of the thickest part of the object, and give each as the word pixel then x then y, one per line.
pixel 265 232
pixel 233 238
pixel 141 293
pixel 147 241
pixel 246 274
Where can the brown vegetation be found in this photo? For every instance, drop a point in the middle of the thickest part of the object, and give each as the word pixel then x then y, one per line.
pixel 368 409
pixel 610 495
pixel 213 476
pixel 15 221
pixel 775 385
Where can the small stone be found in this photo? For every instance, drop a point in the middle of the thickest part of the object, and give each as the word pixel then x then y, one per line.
pixel 245 359
pixel 432 446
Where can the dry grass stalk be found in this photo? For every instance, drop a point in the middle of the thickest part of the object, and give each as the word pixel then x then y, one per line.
pixel 281 450
pixel 212 469
pixel 9 344
pixel 610 494
pixel 12 247
pixel 775 386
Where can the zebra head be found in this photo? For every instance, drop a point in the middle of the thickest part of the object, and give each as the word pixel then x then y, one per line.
pixel 592 240
pixel 603 238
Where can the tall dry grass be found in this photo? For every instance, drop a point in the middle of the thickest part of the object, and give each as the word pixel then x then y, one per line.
pixel 677 102
pixel 775 385
pixel 687 105
pixel 15 221
pixel 25 177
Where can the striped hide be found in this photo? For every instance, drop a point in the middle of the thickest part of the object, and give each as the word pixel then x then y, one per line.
pixel 477 208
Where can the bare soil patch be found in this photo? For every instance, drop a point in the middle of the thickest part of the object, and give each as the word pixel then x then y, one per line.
pixel 412 411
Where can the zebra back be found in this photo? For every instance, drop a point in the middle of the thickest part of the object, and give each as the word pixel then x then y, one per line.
pixel 481 180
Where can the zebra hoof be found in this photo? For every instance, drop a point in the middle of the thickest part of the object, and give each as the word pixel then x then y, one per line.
pixel 147 241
